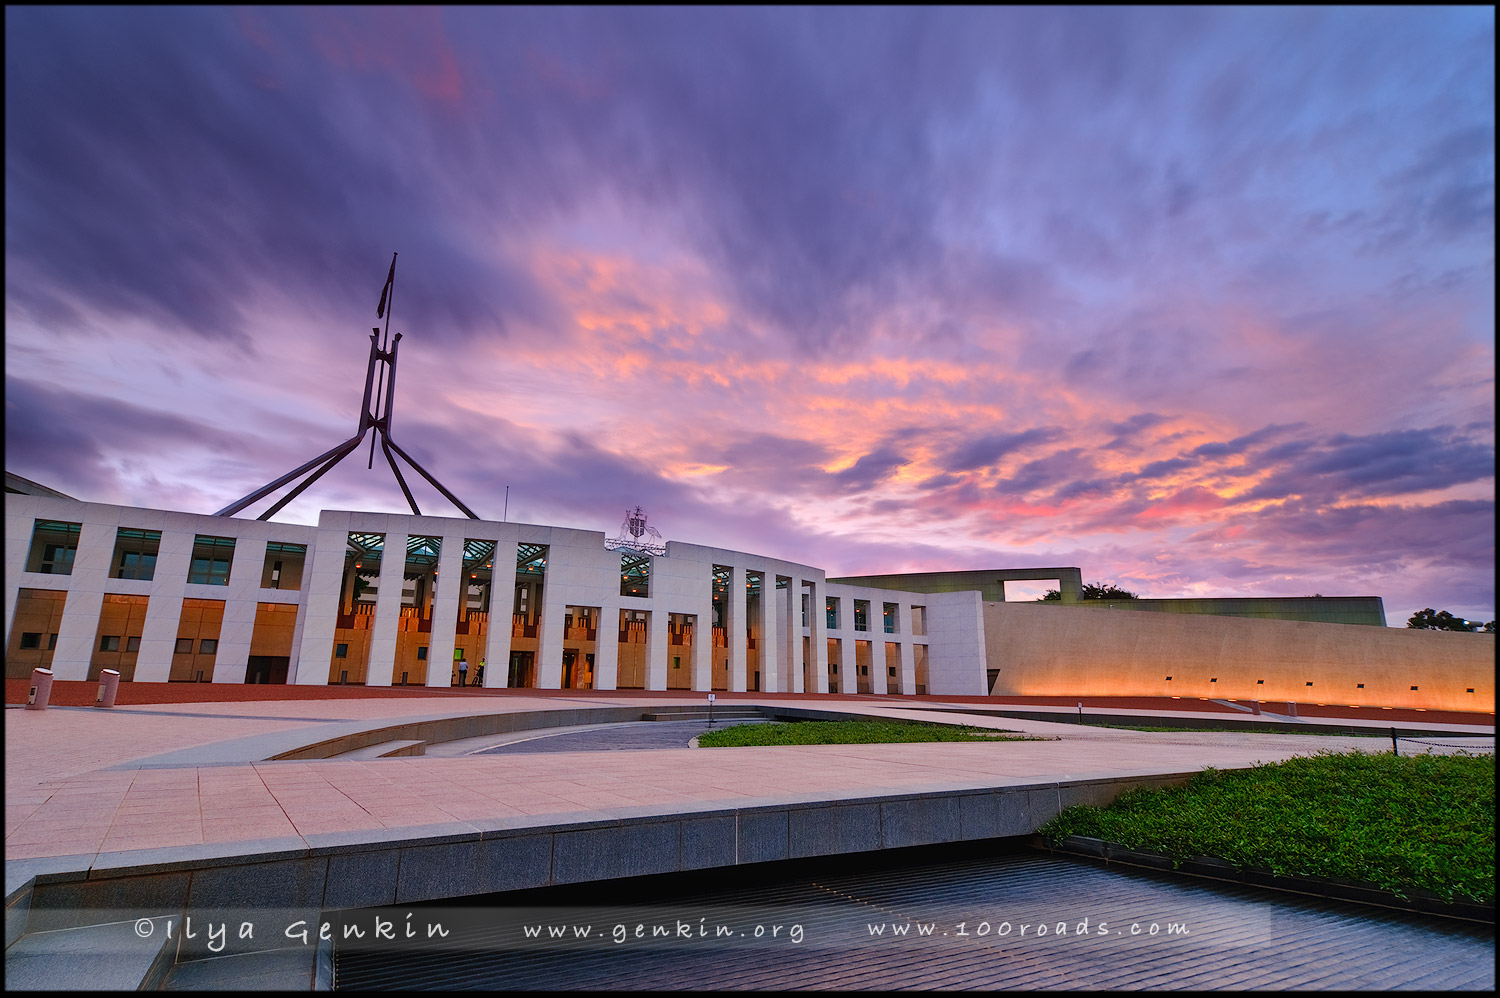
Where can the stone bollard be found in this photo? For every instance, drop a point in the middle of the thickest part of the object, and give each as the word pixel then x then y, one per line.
pixel 41 689
pixel 109 685
pixel 1255 706
pixel 1291 709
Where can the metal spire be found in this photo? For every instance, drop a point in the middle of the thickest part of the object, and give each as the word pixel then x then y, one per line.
pixel 377 418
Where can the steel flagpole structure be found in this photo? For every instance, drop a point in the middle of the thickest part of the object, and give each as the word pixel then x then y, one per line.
pixel 374 414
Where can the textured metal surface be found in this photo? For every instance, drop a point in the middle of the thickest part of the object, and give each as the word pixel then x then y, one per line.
pixel 1237 938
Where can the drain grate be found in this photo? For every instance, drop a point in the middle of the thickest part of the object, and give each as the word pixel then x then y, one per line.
pixel 963 929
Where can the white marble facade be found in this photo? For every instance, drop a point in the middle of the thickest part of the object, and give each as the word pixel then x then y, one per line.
pixel 580 571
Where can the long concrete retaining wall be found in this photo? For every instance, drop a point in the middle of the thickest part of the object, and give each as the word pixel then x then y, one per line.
pixel 1060 650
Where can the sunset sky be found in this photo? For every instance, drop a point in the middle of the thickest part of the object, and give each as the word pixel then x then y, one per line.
pixel 1199 300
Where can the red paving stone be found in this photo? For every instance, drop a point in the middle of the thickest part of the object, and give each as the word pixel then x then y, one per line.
pixel 82 694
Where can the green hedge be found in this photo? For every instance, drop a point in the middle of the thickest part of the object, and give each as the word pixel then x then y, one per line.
pixel 1424 821
pixel 843 733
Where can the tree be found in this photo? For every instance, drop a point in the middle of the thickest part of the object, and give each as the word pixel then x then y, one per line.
pixel 1104 590
pixel 1442 620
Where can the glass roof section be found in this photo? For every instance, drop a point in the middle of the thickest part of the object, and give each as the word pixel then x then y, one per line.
pixel 531 559
pixel 477 552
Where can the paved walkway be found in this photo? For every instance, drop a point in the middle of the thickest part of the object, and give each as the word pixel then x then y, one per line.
pixel 66 796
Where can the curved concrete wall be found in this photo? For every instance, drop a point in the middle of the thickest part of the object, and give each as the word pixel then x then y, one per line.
pixel 1061 650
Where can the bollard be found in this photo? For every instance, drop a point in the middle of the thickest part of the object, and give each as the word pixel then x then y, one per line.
pixel 710 710
pixel 1394 749
pixel 1080 712
pixel 109 685
pixel 41 689
pixel 1255 706
pixel 1291 709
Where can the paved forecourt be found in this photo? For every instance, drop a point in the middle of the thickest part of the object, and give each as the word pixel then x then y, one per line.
pixel 170 809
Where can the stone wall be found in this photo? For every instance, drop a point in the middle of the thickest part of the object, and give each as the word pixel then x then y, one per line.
pixel 1060 650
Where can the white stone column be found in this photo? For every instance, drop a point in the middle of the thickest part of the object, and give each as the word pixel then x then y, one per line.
pixel 312 660
pixel 381 670
pixel 450 590
pixel 168 585
pixel 817 625
pixel 772 644
pixel 607 646
pixel 656 645
pixel 549 631
pixel 502 610
pixel 792 634
pixel 240 599
pixel 736 629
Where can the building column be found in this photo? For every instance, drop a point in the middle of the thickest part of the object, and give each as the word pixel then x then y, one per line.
pixel 771 642
pixel 382 664
pixel 792 634
pixel 164 605
pixel 502 612
pixel 317 617
pixel 737 630
pixel 549 631
pixel 238 623
pixel 656 645
pixel 909 668
pixel 817 626
pixel 607 646
pixel 449 590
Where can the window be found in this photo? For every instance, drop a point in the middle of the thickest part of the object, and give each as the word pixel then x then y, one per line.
pixel 283 567
pixel 133 643
pixel 1309 684
pixel 211 558
pixel 135 554
pixel 861 615
pixel 110 642
pixel 422 653
pixel 1412 687
pixel 891 671
pixel 1359 686
pixel 676 662
pixel 52 643
pixel 53 545
pixel 1213 680
pixel 1260 682
pixel 31 639
pixel 208 646
pixel 1169 679
pixel 184 647
pixel 341 651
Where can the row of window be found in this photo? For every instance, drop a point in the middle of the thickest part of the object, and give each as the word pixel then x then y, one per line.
pixel 111 642
pixel 1262 682
pixel 54 545
pixel 890 615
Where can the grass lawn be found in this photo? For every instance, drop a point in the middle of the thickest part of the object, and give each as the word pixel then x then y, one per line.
pixel 1425 821
pixel 846 733
pixel 1260 731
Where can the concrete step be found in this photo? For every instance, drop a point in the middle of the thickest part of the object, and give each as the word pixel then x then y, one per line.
pixel 117 956
pixel 728 714
pixel 387 750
